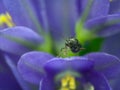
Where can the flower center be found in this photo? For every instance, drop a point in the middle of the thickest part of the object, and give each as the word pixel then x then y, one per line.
pixel 68 82
pixel 72 81
pixel 5 19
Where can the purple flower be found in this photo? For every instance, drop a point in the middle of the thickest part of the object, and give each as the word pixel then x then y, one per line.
pixel 93 70
pixel 7 79
pixel 113 48
pixel 11 80
pixel 18 46
pixel 54 19
pixel 50 16
pixel 18 14
pixel 114 6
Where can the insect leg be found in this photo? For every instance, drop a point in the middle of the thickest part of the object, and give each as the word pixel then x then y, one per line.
pixel 63 51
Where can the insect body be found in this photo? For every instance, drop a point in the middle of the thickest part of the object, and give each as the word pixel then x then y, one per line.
pixel 73 44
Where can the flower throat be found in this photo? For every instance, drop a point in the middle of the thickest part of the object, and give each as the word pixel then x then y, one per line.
pixel 68 82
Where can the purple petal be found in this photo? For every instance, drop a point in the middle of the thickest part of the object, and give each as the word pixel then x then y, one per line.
pixel 107 64
pixel 114 47
pixel 62 16
pixel 18 13
pixel 7 79
pixel 99 7
pixel 2 7
pixel 38 9
pixel 57 65
pixel 106 25
pixel 21 33
pixel 46 84
pixel 114 6
pixel 116 84
pixel 13 68
pixel 98 81
pixel 31 64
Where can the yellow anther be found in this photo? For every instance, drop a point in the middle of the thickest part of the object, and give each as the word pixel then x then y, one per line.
pixel 68 77
pixel 68 83
pixel 72 83
pixel 5 19
pixel 63 82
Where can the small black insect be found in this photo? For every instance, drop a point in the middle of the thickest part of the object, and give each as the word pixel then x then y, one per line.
pixel 73 44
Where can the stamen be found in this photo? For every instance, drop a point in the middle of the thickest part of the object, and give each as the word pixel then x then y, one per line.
pixel 68 83
pixel 64 82
pixel 72 83
pixel 6 19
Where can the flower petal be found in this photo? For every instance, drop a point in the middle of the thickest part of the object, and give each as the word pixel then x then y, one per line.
pixel 18 40
pixel 31 64
pixel 7 79
pixel 57 65
pixel 62 16
pixel 115 84
pixel 114 6
pixel 105 25
pixel 2 7
pixel 99 7
pixel 14 70
pixel 18 13
pixel 114 47
pixel 107 64
pixel 46 84
pixel 98 81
